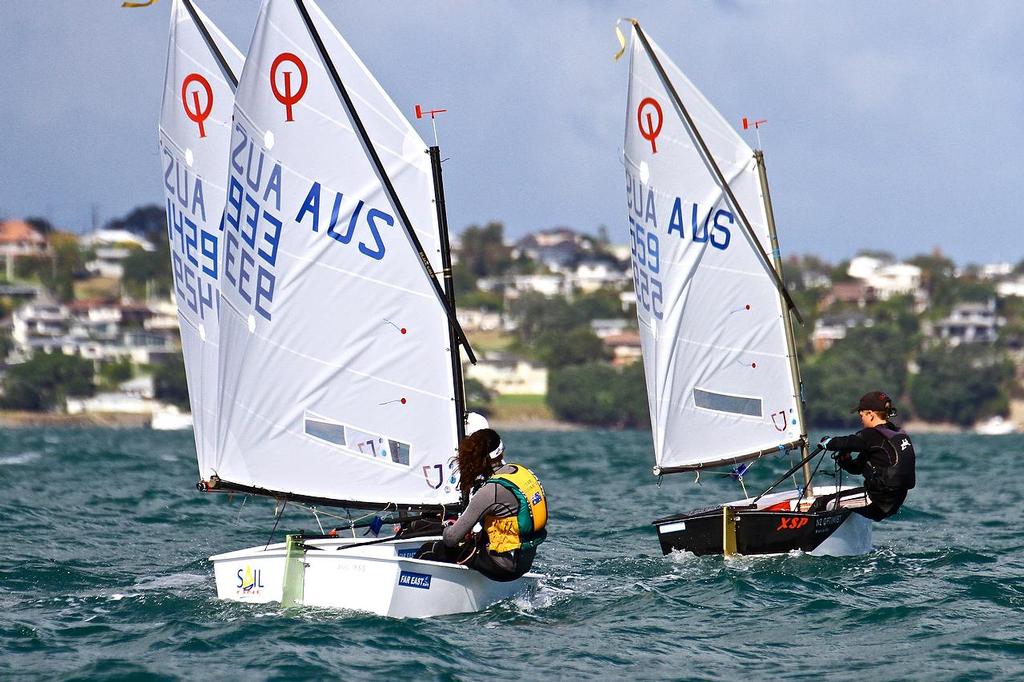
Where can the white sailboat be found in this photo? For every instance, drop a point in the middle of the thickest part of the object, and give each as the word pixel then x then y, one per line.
pixel 339 377
pixel 195 136
pixel 720 363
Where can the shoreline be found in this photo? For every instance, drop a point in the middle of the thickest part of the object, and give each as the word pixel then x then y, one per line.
pixel 111 420
pixel 21 419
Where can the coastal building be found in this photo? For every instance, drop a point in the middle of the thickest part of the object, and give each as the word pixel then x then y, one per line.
pixel 969 323
pixel 605 328
pixel 111 248
pixel 478 319
pixel 858 293
pixel 885 279
pixel 592 274
pixel 624 347
pixel 558 249
pixel 506 374
pixel 18 239
pixel 512 286
pixel 40 326
pixel 1011 287
pixel 831 328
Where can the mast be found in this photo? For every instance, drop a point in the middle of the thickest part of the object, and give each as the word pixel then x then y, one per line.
pixel 692 127
pixel 378 165
pixel 449 290
pixel 232 78
pixel 794 365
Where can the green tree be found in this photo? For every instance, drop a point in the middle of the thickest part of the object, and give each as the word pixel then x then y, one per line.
pixel 478 398
pixel 46 380
pixel 961 384
pixel 602 304
pixel 169 383
pixel 114 372
pixel 585 394
pixel 599 395
pixel 148 221
pixel 67 264
pixel 40 225
pixel 868 359
pixel 153 268
pixel 538 314
pixel 578 346
pixel 482 251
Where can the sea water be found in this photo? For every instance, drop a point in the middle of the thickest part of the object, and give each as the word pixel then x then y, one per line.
pixel 104 575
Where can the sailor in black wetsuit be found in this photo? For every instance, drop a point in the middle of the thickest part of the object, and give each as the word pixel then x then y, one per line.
pixel 885 456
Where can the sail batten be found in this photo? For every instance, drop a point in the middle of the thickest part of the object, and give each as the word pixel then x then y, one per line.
pixel 335 377
pixel 711 316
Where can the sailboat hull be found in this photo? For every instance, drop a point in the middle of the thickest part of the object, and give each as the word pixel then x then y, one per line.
pixel 382 578
pixel 779 524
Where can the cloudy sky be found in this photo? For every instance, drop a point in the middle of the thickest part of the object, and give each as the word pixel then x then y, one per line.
pixel 891 125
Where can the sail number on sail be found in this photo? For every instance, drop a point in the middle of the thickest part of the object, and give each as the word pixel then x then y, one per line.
pixel 646 245
pixel 194 251
pixel 253 221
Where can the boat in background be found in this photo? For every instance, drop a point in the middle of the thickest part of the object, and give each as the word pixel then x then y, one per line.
pixel 996 426
pixel 339 374
pixel 720 362
pixel 170 418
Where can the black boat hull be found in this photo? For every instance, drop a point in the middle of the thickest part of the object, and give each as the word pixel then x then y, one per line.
pixel 757 531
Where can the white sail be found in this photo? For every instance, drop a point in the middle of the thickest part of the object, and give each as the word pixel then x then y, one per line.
pixel 195 133
pixel 711 319
pixel 335 374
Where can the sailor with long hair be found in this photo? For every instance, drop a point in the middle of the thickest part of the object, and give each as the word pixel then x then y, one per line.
pixel 508 503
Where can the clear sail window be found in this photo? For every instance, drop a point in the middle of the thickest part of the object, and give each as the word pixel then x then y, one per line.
pixel 722 402
pixel 326 431
pixel 368 444
pixel 357 441
pixel 399 452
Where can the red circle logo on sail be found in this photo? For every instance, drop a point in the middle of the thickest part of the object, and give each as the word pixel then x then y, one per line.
pixel 644 112
pixel 194 108
pixel 288 97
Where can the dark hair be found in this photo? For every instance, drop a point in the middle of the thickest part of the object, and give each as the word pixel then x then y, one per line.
pixel 474 460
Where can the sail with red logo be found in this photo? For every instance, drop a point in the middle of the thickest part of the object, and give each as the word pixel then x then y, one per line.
pixel 714 315
pixel 711 318
pixel 335 379
pixel 195 133
pixel 339 368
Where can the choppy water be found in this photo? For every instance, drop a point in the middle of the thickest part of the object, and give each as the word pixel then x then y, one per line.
pixel 103 575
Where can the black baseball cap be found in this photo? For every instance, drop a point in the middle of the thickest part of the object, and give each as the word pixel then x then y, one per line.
pixel 875 401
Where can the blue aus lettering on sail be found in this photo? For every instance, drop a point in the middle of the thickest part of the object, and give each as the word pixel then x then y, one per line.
pixel 194 250
pixel 367 221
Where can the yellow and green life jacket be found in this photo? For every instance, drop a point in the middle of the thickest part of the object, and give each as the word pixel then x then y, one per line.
pixel 526 529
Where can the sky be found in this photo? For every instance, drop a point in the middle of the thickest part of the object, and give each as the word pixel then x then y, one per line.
pixel 891 125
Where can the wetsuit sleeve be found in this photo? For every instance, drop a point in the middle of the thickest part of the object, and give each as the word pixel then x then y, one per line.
pixel 855 442
pixel 860 442
pixel 478 506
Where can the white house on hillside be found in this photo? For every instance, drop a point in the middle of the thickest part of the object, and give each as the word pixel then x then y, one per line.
pixel 970 323
pixel 507 375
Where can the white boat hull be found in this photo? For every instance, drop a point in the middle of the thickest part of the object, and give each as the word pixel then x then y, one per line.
pixel 380 578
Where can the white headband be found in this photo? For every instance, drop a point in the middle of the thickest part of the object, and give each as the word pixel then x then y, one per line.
pixel 497 452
